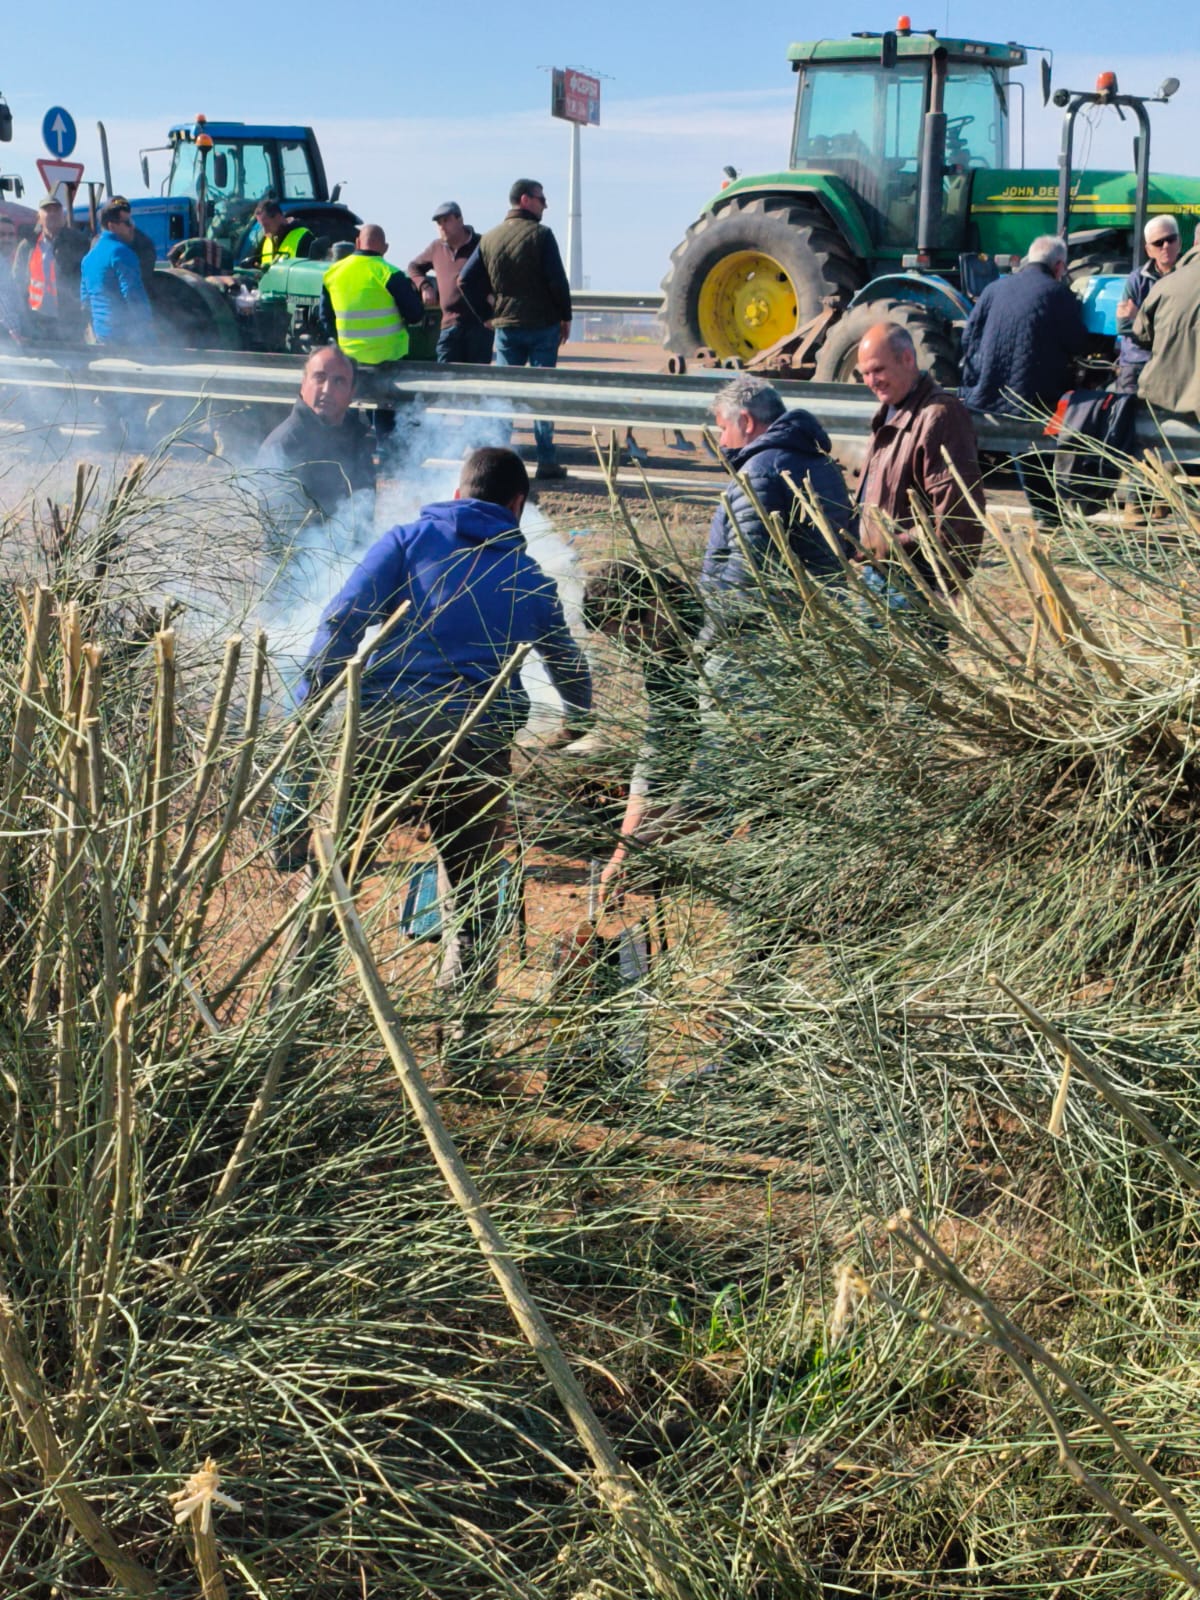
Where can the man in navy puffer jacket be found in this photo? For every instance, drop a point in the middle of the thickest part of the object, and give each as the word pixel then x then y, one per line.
pixel 1018 350
pixel 763 440
pixel 1023 335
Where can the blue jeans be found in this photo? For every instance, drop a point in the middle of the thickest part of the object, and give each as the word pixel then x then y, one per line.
pixel 468 342
pixel 899 595
pixel 532 347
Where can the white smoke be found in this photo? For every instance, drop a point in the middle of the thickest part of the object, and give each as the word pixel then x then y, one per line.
pixel 420 467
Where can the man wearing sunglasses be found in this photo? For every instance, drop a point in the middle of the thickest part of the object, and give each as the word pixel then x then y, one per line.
pixel 515 281
pixel 112 290
pixel 1168 325
pixel 1161 236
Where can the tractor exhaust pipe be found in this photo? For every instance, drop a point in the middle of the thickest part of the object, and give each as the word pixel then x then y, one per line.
pixel 105 165
pixel 933 160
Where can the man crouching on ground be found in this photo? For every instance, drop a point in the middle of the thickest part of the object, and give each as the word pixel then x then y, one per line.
pixel 475 594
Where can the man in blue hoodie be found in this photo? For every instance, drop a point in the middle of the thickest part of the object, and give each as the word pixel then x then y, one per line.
pixel 111 287
pixel 475 594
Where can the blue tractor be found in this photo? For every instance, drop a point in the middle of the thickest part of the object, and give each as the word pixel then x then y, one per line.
pixel 219 172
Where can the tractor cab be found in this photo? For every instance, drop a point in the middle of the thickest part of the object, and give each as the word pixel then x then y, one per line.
pixel 900 121
pixel 219 172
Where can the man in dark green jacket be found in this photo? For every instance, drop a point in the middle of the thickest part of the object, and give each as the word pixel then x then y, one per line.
pixel 515 282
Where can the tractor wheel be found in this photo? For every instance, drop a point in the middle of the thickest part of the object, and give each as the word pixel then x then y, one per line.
pixel 748 275
pixel 193 312
pixel 934 337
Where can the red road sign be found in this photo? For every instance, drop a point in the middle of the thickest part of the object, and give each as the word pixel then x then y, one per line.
pixel 574 96
pixel 66 174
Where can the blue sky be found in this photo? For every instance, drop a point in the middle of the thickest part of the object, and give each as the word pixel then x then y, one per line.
pixel 447 101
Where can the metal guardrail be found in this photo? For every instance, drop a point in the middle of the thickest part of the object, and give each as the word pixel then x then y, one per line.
pixel 229 380
pixel 617 301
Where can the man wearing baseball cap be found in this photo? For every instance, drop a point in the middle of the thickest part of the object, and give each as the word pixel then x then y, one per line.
pixel 46 272
pixel 463 337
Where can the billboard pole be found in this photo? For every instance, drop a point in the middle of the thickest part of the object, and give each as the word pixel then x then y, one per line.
pixel 575 97
pixel 574 216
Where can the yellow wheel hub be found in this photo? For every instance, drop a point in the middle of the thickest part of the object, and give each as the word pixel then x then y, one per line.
pixel 747 304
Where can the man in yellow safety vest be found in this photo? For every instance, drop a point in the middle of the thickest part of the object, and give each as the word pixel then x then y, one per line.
pixel 366 305
pixel 283 238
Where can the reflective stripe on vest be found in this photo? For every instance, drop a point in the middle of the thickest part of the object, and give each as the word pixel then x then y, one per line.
pixel 369 325
pixel 39 286
pixel 285 249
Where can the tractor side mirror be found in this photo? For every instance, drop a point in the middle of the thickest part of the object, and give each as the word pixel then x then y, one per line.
pixel 5 122
pixel 887 50
pixel 1167 88
pixel 336 195
pixel 1045 70
pixel 146 171
pixel 220 175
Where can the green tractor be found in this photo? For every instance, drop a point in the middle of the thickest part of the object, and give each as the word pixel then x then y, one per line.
pixel 898 202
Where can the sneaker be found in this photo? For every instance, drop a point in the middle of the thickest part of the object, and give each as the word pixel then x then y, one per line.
pixel 548 470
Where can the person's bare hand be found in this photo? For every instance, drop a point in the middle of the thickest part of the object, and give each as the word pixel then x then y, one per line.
pixel 564 332
pixel 875 543
pixel 613 883
pixel 1125 308
pixel 429 294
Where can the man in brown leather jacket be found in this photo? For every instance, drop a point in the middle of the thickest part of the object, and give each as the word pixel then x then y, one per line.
pixel 906 468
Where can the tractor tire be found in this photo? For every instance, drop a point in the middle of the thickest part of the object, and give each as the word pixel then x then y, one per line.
pixel 934 337
pixel 749 274
pixel 193 313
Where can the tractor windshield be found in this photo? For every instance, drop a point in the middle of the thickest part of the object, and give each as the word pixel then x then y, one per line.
pixel 235 170
pixel 862 121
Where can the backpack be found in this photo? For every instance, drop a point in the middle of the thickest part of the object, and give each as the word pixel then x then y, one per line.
pixel 1086 418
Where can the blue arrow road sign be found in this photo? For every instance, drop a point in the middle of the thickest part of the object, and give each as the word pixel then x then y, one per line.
pixel 58 132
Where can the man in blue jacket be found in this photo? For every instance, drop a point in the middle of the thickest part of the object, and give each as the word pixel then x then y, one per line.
pixel 111 287
pixel 762 441
pixel 1019 347
pixel 475 594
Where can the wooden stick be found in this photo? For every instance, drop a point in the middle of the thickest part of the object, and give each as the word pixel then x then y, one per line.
pixel 618 1488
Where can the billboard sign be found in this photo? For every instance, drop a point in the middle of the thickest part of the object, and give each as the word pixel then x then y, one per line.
pixel 574 96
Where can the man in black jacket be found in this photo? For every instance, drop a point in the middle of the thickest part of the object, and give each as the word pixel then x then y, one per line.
pixel 515 281
pixel 1019 348
pixel 320 457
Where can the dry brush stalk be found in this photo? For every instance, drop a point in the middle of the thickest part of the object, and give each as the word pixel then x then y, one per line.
pixel 618 1488
pixel 193 1504
pixel 33 1414
pixel 39 619
pixel 153 842
pixel 1091 1070
pixel 1012 1340
pixel 120 1161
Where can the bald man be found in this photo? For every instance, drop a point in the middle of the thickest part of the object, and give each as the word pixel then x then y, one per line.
pixel 918 425
pixel 366 306
pixel 317 465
